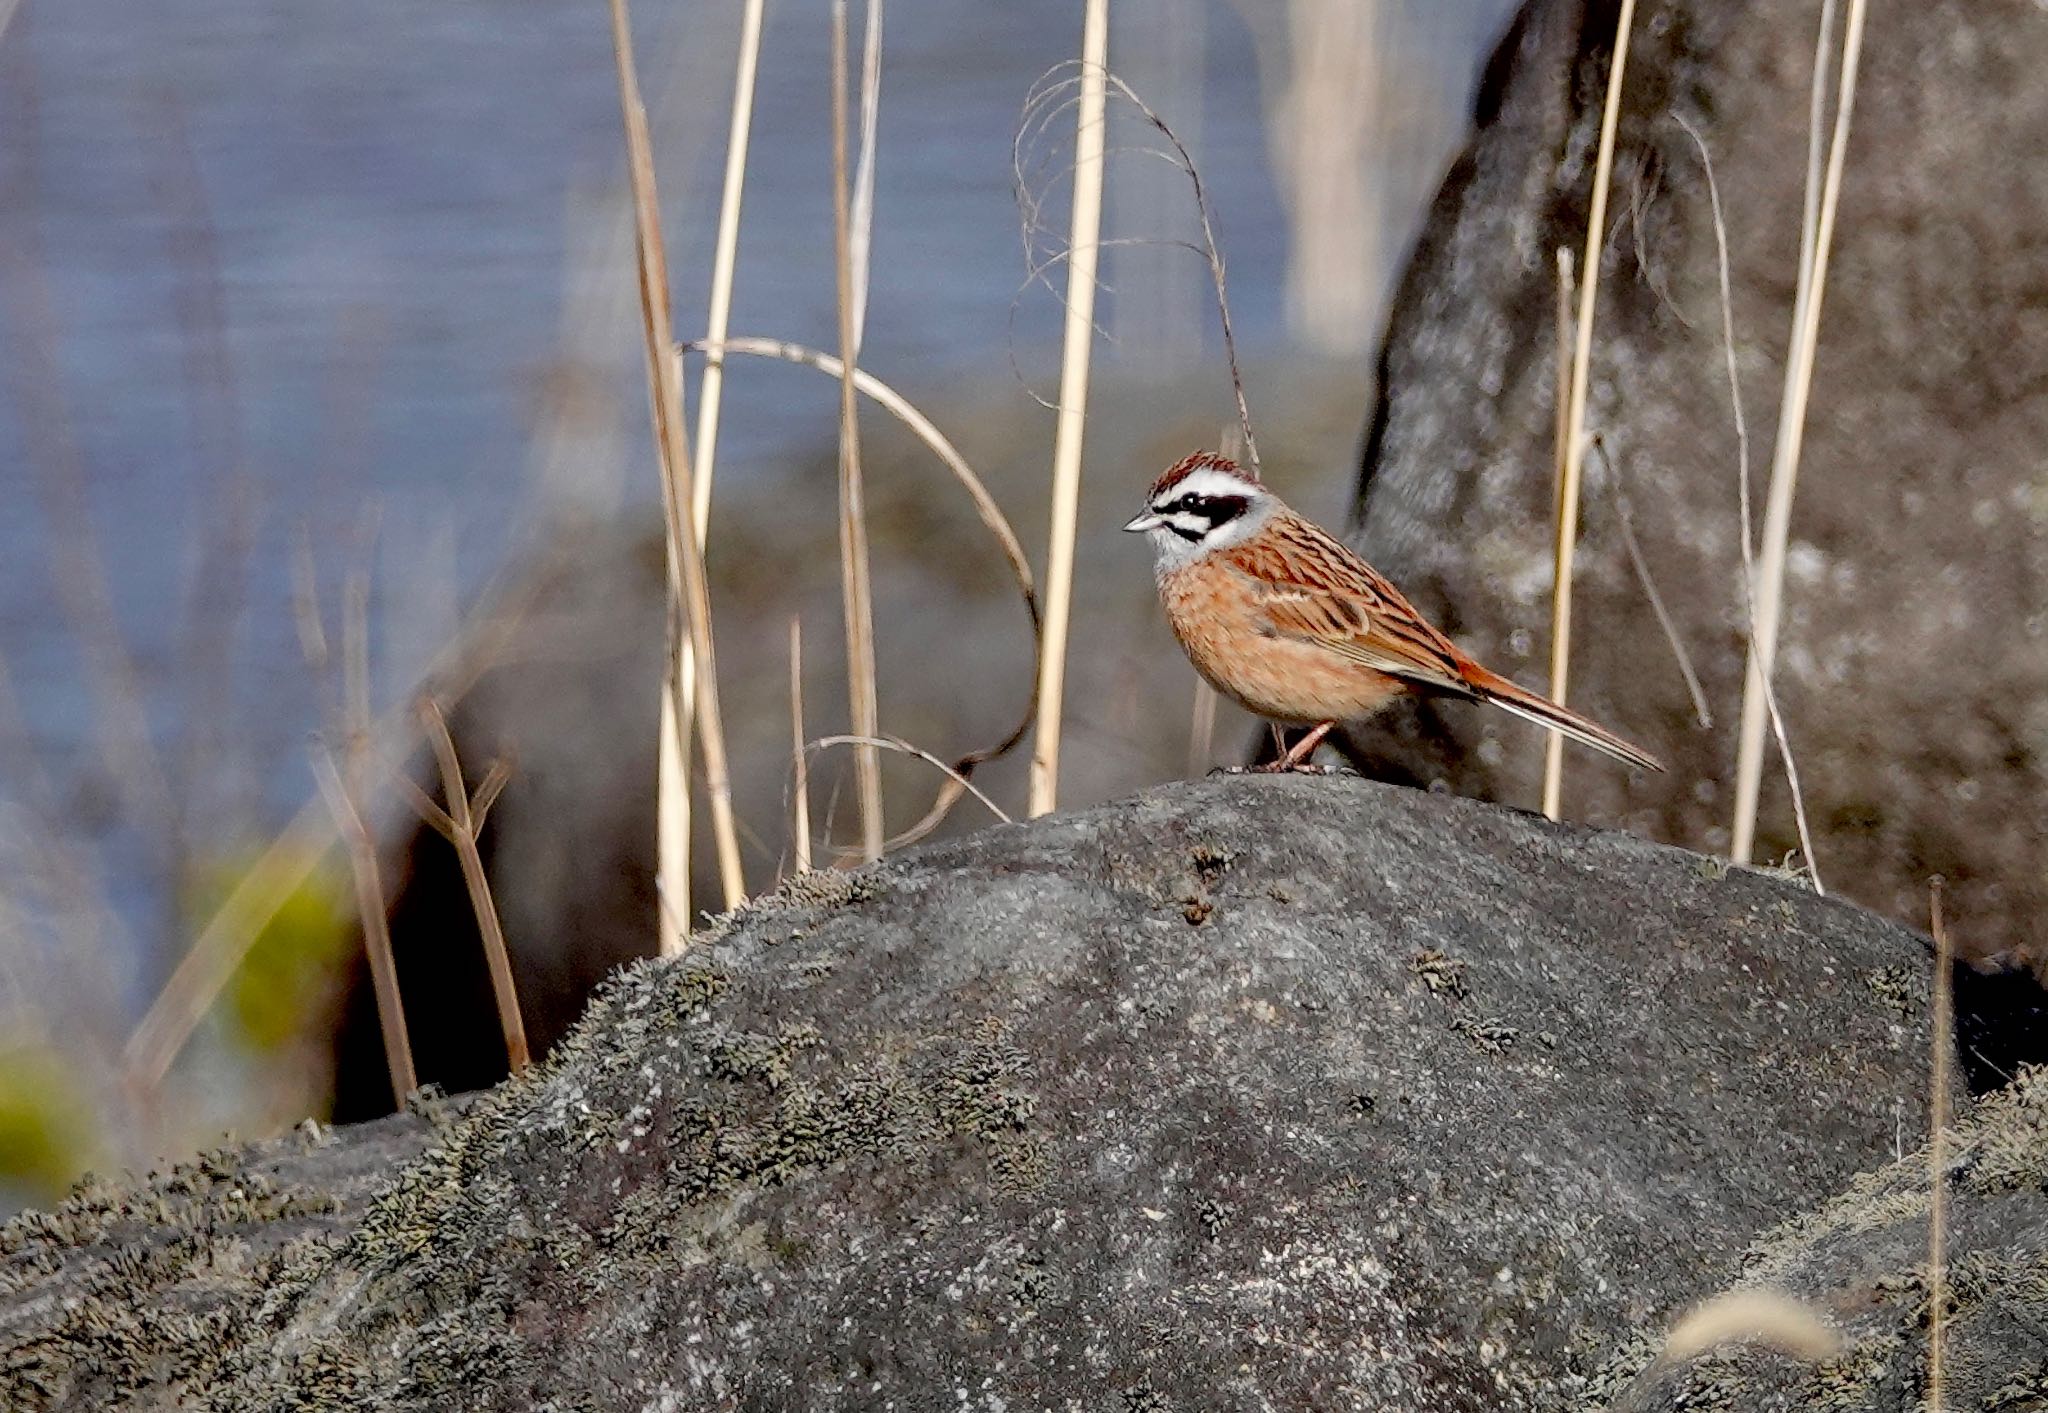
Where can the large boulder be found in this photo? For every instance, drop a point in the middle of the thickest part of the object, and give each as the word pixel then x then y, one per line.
pixel 1913 669
pixel 1259 1092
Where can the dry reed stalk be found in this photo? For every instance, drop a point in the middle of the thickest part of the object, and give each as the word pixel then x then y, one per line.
pixel 800 805
pixel 725 258
pixel 920 426
pixel 289 860
pixel 861 239
pixel 672 812
pixel 1625 518
pixel 342 784
pixel 1575 412
pixel 460 822
pixel 271 882
pixel 225 528
pixel 369 885
pixel 33 374
pixel 903 747
pixel 1816 237
pixel 1083 251
pixel 1561 454
pixel 675 842
pixel 690 596
pixel 985 506
pixel 1742 500
pixel 856 585
pixel 1202 728
pixel 1937 1150
pixel 1756 1315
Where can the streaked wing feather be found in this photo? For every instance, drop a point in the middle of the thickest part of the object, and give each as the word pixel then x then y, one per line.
pixel 1312 589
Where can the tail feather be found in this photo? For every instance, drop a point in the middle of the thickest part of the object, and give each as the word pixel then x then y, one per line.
pixel 1494 688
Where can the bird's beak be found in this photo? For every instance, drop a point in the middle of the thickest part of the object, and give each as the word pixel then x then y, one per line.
pixel 1142 521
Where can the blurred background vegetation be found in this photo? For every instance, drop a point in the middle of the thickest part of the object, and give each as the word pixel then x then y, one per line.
pixel 330 310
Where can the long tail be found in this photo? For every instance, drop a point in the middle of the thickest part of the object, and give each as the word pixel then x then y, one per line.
pixel 1492 687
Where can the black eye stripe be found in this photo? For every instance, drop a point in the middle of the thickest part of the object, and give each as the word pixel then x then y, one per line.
pixel 1214 509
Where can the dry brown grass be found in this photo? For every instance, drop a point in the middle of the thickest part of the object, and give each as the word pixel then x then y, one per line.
pixel 1572 464
pixel 460 822
pixel 1816 238
pixel 799 759
pixel 856 578
pixel 1083 252
pixel 690 596
pixel 675 826
pixel 1937 1149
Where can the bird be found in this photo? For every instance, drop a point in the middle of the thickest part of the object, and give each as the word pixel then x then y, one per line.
pixel 1281 617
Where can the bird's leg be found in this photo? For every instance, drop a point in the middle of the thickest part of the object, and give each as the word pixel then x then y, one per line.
pixel 1297 757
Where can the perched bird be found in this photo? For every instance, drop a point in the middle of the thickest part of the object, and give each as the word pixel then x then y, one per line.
pixel 1284 620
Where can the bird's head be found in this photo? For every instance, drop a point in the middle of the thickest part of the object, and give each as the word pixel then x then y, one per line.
pixel 1201 503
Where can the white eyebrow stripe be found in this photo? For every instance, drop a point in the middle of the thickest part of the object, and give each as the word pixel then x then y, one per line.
pixel 1208 481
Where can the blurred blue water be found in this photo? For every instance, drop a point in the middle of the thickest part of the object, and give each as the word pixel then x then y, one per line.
pixel 397 191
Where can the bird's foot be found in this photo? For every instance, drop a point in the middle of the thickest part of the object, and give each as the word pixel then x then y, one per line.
pixel 1275 767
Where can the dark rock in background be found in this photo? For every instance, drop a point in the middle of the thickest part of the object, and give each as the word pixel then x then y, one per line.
pixel 1913 666
pixel 1283 1092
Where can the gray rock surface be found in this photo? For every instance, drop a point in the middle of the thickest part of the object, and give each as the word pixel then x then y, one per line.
pixel 1862 1260
pixel 1254 1093
pixel 1914 663
pixel 129 1291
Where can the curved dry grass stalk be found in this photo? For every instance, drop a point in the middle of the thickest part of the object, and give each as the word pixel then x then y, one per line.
pixel 690 597
pixel 921 426
pixel 1759 1316
pixel 857 585
pixel 1051 97
pixel 1625 516
pixel 1742 503
pixel 985 506
pixel 1767 1317
pixel 1083 247
pixel 1817 237
pixel 1575 412
pixel 893 743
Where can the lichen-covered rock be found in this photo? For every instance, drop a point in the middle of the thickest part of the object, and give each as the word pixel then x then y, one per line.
pixel 1863 1260
pixel 1913 668
pixel 130 1292
pixel 1256 1093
